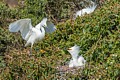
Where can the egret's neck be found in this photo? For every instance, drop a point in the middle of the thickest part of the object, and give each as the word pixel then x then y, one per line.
pixel 74 58
pixel 38 26
pixel 75 55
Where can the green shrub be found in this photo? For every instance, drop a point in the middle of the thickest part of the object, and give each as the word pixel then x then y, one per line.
pixel 97 34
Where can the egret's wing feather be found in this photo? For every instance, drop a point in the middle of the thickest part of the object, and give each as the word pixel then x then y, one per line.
pixel 90 9
pixel 50 27
pixel 13 27
pixel 25 29
pixel 28 34
pixel 30 37
pixel 87 10
pixel 22 25
pixel 81 60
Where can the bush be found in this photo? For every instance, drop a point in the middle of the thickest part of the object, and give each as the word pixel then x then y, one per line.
pixel 97 34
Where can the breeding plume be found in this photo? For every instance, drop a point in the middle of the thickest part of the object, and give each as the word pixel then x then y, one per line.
pixel 32 34
pixel 76 59
pixel 86 10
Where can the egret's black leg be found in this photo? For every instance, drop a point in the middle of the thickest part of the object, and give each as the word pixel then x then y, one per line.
pixel 31 50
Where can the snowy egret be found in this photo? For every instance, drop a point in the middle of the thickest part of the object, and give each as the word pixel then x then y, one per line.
pixel 32 34
pixel 76 59
pixel 86 10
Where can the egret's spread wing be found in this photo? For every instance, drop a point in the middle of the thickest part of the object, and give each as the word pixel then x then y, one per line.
pixel 22 25
pixel 50 27
pixel 87 10
pixel 90 9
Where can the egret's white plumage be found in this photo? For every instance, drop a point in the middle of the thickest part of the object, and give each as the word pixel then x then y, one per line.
pixel 76 59
pixel 86 10
pixel 32 34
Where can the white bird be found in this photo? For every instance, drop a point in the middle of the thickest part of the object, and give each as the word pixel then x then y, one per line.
pixel 32 34
pixel 86 10
pixel 76 60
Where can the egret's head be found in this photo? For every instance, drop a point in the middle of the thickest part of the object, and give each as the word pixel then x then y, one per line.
pixel 44 25
pixel 44 22
pixel 74 49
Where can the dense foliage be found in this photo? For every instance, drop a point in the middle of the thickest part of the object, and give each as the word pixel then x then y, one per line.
pixel 97 34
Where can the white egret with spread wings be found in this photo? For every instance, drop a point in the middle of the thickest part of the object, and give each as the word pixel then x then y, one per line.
pixel 86 10
pixel 32 34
